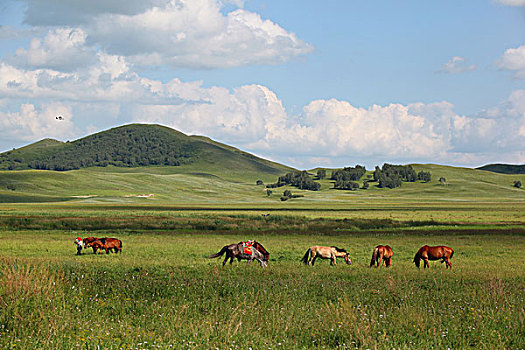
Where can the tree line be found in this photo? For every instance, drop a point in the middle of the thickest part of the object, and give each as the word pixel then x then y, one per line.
pixel 388 176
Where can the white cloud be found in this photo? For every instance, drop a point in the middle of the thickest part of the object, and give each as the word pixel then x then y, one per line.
pixel 31 123
pixel 457 65
pixel 194 34
pixel 253 117
pixel 61 49
pixel 514 60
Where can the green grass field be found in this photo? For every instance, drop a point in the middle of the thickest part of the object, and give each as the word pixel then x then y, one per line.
pixel 162 292
pixel 214 185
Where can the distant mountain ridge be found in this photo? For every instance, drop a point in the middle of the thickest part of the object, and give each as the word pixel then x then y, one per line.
pixel 504 168
pixel 132 145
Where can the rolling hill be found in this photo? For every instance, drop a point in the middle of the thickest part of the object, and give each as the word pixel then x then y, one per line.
pixel 134 145
pixel 140 163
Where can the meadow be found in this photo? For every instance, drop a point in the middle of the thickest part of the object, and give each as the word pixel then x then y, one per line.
pixel 162 291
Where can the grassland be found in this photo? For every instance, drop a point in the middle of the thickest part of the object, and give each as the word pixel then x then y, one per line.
pixel 162 292
pixel 214 185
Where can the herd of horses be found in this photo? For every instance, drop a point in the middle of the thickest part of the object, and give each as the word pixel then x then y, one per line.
pixel 382 254
pixel 100 244
pixel 253 250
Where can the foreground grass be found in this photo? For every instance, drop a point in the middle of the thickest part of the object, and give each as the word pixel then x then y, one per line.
pixel 163 293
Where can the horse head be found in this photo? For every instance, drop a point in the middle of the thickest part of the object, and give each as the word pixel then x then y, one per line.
pixel 262 250
pixel 348 261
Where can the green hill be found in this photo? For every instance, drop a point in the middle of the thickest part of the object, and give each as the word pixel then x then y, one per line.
pixel 154 164
pixel 135 145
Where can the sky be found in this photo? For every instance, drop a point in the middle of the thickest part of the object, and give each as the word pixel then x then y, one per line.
pixel 305 83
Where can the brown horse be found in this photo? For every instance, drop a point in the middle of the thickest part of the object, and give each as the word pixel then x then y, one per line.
pixel 237 251
pixel 382 253
pixel 434 253
pixel 107 244
pixel 322 252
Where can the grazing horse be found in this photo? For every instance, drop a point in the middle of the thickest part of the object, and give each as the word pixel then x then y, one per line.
pixel 382 253
pixel 107 244
pixel 237 250
pixel 322 252
pixel 434 253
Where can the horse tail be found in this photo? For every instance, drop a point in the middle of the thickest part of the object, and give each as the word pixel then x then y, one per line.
pixel 417 258
pixel 305 257
pixel 452 253
pixel 120 250
pixel 216 255
pixel 374 256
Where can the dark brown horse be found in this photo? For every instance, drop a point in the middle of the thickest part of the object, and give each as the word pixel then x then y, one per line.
pixel 439 252
pixel 238 251
pixel 382 253
pixel 332 253
pixel 107 244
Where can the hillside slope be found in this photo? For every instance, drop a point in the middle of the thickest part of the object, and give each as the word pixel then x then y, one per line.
pixel 134 145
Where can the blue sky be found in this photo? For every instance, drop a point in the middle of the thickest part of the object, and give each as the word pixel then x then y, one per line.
pixel 305 83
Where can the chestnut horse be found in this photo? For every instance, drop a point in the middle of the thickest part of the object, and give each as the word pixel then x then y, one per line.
pixel 382 253
pixel 322 252
pixel 107 244
pixel 434 253
pixel 236 250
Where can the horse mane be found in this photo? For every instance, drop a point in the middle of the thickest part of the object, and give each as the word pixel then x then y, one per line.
pixel 340 250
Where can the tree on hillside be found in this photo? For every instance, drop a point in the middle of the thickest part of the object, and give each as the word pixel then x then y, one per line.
pixel 321 174
pixel 299 179
pixel 424 176
pixel 442 181
pixel 517 184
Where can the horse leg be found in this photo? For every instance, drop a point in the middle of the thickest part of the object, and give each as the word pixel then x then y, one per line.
pixel 312 259
pixel 379 260
pixel 333 261
pixel 225 260
pixel 425 263
pixel 388 261
pixel 449 263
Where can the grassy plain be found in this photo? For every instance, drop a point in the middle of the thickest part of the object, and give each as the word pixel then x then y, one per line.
pixel 162 292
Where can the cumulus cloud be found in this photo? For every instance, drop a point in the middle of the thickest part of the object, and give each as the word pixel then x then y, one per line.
pixel 514 60
pixel 253 117
pixel 31 123
pixel 62 49
pixel 194 34
pixel 457 65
